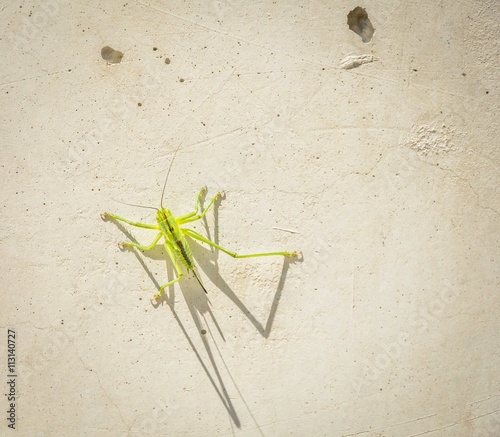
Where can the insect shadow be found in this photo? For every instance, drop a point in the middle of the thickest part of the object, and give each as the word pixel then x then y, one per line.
pixel 199 304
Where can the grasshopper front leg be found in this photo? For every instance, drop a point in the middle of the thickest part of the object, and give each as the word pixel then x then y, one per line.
pixel 193 216
pixel 108 215
pixel 140 246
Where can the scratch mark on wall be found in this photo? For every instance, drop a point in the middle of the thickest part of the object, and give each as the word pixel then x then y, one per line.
pixel 39 76
pixel 235 37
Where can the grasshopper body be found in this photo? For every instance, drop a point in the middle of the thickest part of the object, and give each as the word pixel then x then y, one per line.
pixel 176 244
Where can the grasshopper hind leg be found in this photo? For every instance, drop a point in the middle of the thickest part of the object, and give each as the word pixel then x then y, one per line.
pixel 203 239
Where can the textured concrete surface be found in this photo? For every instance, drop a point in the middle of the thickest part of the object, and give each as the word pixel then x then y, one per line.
pixel 378 159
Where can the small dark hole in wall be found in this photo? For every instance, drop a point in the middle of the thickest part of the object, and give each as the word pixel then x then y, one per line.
pixel 359 23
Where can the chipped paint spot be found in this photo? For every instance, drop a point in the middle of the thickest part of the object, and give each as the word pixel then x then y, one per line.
pixel 355 61
pixel 430 140
pixel 359 23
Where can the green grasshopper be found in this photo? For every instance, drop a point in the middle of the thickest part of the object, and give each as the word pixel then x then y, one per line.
pixel 174 233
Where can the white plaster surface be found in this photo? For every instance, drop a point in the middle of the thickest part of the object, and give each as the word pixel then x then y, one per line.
pixel 386 172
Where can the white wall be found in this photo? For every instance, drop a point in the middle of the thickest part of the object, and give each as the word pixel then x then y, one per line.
pixel 386 172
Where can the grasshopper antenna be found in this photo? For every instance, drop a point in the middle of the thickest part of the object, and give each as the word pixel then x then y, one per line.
pixel 138 206
pixel 166 178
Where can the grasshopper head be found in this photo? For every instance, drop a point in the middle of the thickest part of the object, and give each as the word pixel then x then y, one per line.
pixel 163 214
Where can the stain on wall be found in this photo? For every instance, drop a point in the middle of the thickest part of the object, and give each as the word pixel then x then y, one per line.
pixel 111 56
